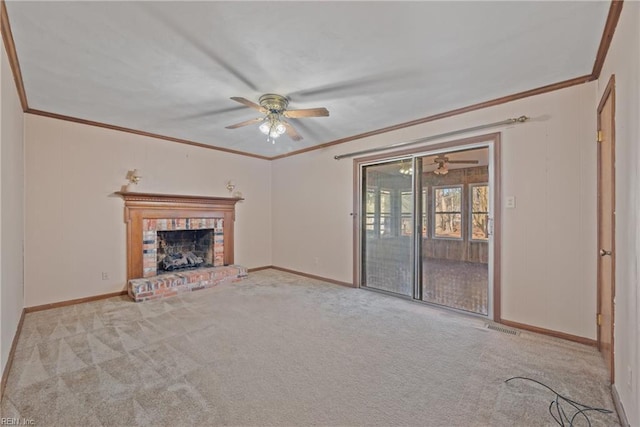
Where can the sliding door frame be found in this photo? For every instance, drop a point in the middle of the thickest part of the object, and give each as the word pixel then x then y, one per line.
pixel 491 140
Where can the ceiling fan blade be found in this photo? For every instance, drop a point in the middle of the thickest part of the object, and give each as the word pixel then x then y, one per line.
pixel 292 132
pixel 245 123
pixel 308 112
pixel 464 161
pixel 249 103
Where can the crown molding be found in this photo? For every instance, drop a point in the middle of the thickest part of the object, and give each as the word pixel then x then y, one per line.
pixel 9 45
pixel 607 35
pixel 451 113
pixel 141 132
pixel 612 20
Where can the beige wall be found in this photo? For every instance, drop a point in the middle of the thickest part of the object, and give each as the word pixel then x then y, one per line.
pixel 74 224
pixel 623 60
pixel 548 245
pixel 11 209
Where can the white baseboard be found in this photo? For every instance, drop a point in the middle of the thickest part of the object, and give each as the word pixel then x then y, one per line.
pixel 624 422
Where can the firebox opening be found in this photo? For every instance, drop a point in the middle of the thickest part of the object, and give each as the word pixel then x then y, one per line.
pixel 185 249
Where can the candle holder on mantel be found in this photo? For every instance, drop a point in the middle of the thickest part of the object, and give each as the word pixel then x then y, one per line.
pixel 134 178
pixel 232 186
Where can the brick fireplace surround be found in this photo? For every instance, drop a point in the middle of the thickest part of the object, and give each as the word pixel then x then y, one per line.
pixel 147 214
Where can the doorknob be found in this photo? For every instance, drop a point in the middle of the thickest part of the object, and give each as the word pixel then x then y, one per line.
pixel 603 252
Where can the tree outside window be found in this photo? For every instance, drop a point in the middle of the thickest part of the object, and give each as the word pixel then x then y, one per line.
pixel 425 214
pixel 448 212
pixel 370 208
pixel 406 198
pixel 479 212
pixel 385 213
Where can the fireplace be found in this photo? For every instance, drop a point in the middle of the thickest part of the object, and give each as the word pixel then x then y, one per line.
pixel 178 244
pixel 153 220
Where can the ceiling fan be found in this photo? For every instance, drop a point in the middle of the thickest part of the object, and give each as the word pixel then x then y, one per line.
pixel 273 123
pixel 443 164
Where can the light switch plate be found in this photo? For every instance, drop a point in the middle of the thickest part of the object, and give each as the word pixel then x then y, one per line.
pixel 510 202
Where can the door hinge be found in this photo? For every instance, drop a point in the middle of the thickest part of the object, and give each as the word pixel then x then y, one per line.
pixel 599 136
pixel 599 319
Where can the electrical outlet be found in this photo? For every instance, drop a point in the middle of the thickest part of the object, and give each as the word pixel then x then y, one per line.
pixel 316 261
pixel 510 202
pixel 105 275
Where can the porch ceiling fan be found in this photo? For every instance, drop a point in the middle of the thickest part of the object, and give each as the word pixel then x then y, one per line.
pixel 443 164
pixel 273 123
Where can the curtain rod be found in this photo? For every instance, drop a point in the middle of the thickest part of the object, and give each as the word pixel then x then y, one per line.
pixel 520 119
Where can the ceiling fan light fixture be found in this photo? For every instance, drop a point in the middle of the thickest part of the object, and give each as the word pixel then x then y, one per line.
pixel 275 109
pixel 264 127
pixel 406 170
pixel 272 126
pixel 442 169
pixel 279 129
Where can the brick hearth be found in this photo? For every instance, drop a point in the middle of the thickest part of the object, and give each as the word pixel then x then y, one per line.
pixel 164 285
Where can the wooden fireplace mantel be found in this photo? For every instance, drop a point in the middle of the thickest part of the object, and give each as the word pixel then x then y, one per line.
pixel 140 206
pixel 162 199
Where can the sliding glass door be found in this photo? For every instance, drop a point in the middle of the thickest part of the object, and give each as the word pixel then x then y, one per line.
pixel 426 228
pixel 387 227
pixel 455 246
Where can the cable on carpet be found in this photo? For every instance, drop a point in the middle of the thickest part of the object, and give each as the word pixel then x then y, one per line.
pixel 557 411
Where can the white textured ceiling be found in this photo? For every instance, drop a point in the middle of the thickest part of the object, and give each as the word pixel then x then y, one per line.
pixel 169 68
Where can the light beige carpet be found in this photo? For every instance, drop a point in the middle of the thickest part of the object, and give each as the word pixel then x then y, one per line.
pixel 279 349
